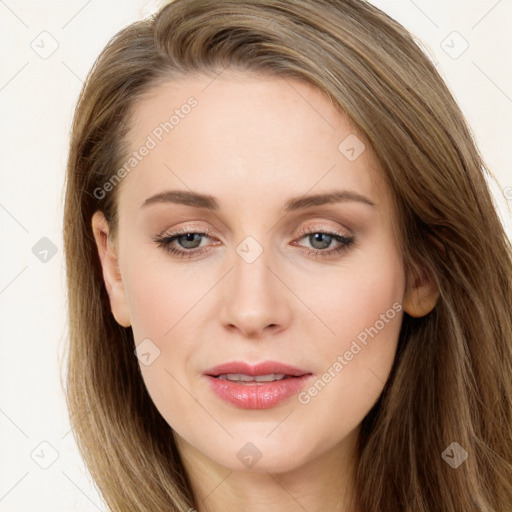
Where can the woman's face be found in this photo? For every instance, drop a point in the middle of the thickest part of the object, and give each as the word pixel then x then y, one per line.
pixel 282 275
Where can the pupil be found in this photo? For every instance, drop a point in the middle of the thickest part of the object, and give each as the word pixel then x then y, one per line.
pixel 317 237
pixel 189 238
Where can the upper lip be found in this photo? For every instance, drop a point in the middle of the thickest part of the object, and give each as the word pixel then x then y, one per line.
pixel 264 368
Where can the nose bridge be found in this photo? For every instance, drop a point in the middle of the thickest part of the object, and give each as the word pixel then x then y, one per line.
pixel 251 278
pixel 254 297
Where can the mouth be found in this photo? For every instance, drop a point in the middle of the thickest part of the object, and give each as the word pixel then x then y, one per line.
pixel 254 380
pixel 261 386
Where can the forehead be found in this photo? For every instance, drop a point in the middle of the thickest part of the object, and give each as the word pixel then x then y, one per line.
pixel 243 134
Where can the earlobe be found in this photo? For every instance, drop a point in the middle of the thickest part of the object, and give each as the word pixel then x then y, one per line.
pixel 421 295
pixel 110 268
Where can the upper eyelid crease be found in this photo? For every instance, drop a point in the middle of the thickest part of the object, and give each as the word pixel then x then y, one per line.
pixel 209 202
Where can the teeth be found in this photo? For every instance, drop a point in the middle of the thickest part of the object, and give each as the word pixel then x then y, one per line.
pixel 249 378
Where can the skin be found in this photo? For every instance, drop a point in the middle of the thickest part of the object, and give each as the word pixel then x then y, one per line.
pixel 253 142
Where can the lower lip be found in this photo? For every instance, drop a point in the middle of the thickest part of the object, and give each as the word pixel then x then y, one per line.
pixel 257 396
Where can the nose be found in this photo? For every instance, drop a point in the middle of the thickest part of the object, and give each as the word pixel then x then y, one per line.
pixel 255 300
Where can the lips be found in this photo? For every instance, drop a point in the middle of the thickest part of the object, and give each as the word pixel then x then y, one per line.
pixel 248 390
pixel 264 368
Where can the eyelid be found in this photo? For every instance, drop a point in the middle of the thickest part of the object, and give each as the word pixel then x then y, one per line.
pixel 186 229
pixel 309 229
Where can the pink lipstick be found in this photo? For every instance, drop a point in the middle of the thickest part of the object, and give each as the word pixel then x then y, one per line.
pixel 261 386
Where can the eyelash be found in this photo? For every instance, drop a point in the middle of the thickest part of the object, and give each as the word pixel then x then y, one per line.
pixel 164 241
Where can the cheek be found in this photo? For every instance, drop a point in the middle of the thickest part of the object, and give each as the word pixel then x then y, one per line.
pixel 352 297
pixel 363 309
pixel 161 298
pixel 159 294
pixel 165 303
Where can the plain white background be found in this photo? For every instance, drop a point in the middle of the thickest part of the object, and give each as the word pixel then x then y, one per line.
pixel 47 49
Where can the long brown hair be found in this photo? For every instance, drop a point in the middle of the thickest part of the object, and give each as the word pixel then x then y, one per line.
pixel 452 377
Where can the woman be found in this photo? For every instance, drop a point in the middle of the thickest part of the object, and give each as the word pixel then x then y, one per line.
pixel 288 286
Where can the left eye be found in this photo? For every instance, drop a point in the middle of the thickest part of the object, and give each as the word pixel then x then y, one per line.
pixel 320 240
pixel 187 239
pixel 190 241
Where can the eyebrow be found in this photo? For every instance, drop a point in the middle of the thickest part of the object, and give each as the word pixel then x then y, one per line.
pixel 209 202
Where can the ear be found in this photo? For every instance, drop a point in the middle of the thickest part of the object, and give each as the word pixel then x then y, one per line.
pixel 110 267
pixel 421 294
